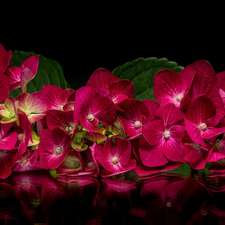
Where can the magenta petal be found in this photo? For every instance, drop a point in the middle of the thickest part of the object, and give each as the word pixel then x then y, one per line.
pixel 172 150
pixel 54 147
pixel 187 75
pixel 129 166
pixel 4 86
pixel 4 58
pixel 7 160
pixel 216 98
pixel 25 77
pixel 83 100
pixel 87 124
pixel 36 102
pixel 203 160
pixel 170 114
pixel 151 155
pixel 119 98
pixel 9 141
pixel 152 108
pixel 124 150
pixel 201 109
pixel 121 88
pixel 134 109
pixel 194 132
pixel 168 85
pixel 31 63
pixel 213 131
pixel 14 73
pixel 57 97
pixel 205 77
pixel 130 130
pixel 60 119
pixel 101 78
pixel 103 109
pixel 102 158
pixel 153 131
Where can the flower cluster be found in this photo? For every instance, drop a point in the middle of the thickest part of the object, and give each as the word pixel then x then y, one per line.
pixel 102 129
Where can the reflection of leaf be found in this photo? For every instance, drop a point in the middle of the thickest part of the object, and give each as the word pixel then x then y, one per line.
pixel 142 71
pixel 183 170
pixel 49 72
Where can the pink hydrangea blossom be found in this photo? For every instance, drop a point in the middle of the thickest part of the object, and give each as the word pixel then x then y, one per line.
pixel 33 105
pixel 163 134
pixel 62 120
pixel 53 147
pixel 56 96
pixel 135 115
pixel 115 157
pixel 195 154
pixel 108 85
pixel 90 109
pixel 21 76
pixel 199 120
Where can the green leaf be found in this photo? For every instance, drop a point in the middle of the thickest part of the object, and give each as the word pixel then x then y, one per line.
pixel 142 71
pixel 53 173
pixel 49 72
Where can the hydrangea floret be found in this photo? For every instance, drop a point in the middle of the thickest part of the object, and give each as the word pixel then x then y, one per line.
pixel 102 130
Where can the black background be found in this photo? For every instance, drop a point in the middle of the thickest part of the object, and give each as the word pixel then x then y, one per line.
pixel 83 37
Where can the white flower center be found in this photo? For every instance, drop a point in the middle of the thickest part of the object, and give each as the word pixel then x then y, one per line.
pixel 28 112
pixel 115 159
pixel 137 125
pixel 168 204
pixel 58 150
pixel 179 97
pixel 69 129
pixel 166 134
pixel 196 146
pixel 90 117
pixel 202 126
pixel 204 212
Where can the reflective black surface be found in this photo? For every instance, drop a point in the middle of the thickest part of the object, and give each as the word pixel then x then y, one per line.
pixel 38 198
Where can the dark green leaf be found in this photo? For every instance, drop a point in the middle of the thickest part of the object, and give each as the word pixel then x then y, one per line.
pixel 142 71
pixel 49 72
